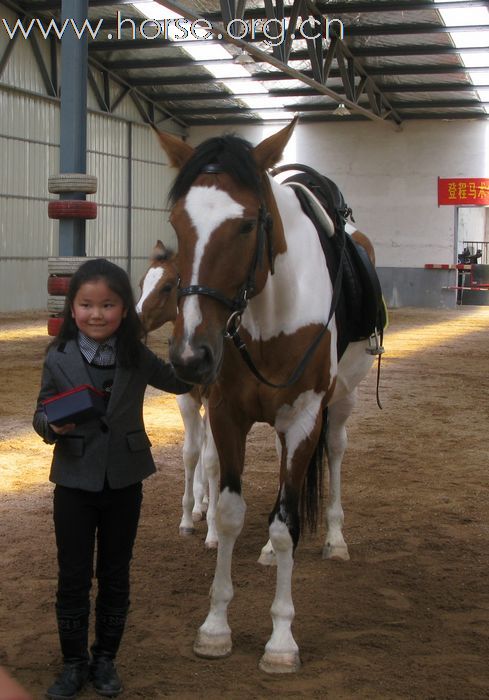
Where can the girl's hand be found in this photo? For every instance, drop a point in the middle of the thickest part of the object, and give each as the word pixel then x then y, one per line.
pixel 62 429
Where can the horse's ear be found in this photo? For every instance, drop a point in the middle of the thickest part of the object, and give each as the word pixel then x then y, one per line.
pixel 159 247
pixel 269 151
pixel 177 150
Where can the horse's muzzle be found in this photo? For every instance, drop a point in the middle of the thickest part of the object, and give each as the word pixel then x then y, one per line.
pixel 196 365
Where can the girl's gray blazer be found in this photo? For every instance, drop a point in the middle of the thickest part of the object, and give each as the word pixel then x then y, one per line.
pixel 115 447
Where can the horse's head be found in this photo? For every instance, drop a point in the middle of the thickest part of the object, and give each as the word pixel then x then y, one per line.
pixel 158 301
pixel 228 232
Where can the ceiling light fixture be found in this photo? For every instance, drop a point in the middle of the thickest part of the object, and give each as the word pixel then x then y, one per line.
pixel 243 58
pixel 341 110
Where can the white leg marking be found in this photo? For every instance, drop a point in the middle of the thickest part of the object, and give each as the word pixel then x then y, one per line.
pixel 267 555
pixel 335 546
pixel 354 366
pixel 281 651
pixel 214 636
pixel 211 466
pixel 192 448
pixel 200 489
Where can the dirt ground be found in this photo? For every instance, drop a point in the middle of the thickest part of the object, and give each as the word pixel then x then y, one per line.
pixel 407 617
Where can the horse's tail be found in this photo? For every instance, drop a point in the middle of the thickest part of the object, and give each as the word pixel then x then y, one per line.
pixel 312 490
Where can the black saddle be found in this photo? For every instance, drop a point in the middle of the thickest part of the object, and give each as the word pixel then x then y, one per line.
pixel 360 309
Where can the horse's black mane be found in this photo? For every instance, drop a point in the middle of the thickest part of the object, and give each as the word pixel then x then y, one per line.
pixel 234 156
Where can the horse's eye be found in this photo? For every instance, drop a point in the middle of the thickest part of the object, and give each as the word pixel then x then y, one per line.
pixel 247 226
pixel 166 289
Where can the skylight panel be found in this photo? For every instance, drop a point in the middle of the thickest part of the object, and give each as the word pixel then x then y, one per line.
pixel 468 17
pixel 206 50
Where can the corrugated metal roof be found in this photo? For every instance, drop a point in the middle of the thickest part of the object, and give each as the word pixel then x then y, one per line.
pixel 396 61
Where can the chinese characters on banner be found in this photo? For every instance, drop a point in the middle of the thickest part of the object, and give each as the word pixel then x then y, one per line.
pixel 463 191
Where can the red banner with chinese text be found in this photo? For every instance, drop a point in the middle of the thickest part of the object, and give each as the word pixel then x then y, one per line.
pixel 463 191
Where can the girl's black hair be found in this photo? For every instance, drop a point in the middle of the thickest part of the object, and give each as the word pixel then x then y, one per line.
pixel 130 331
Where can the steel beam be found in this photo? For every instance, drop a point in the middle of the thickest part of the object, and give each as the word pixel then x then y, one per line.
pixel 4 58
pixel 262 56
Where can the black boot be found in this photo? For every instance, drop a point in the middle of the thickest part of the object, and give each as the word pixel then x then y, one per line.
pixel 73 637
pixel 104 677
pixel 70 681
pixel 109 628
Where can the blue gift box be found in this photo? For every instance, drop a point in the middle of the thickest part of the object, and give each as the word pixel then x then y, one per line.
pixel 81 404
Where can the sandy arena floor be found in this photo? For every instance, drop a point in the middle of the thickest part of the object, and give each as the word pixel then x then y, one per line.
pixel 407 617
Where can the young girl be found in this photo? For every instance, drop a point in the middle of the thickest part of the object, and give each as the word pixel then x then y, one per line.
pixel 98 467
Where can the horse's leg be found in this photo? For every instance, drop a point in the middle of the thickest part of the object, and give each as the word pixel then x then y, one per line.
pixel 267 555
pixel 335 546
pixel 299 428
pixel 200 488
pixel 281 651
pixel 214 636
pixel 192 444
pixel 211 466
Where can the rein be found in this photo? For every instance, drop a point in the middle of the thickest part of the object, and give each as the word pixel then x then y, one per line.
pixel 298 371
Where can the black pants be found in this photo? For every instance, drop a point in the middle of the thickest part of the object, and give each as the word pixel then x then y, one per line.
pixel 81 518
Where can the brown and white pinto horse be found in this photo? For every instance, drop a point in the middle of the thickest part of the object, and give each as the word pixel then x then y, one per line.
pixel 247 254
pixel 157 305
pixel 158 300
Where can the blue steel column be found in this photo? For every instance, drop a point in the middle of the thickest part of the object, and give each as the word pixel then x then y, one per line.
pixel 73 128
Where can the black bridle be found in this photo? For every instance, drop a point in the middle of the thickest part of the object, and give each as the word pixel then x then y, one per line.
pixel 263 240
pixel 239 303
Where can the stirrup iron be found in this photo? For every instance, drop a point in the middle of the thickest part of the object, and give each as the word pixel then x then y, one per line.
pixel 374 344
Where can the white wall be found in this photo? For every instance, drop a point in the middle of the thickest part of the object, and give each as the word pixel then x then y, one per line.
pixel 389 177
pixel 471 225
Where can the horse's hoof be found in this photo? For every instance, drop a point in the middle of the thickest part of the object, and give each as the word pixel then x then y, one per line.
pixel 197 516
pixel 186 531
pixel 336 552
pixel 211 544
pixel 213 646
pixel 280 663
pixel 267 559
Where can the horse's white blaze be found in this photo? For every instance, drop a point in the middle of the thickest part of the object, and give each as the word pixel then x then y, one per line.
pixel 297 422
pixel 192 318
pixel 151 279
pixel 290 298
pixel 207 208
